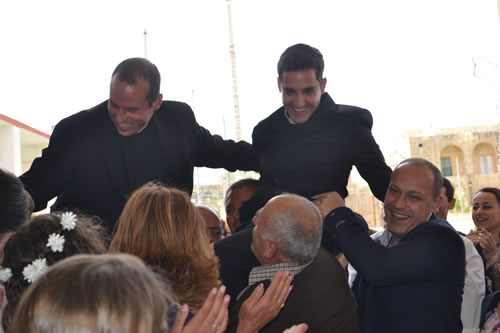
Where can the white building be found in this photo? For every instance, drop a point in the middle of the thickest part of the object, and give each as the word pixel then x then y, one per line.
pixel 20 144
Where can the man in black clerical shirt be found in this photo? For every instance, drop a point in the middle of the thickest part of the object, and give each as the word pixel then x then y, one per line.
pixel 310 144
pixel 98 157
pixel 307 146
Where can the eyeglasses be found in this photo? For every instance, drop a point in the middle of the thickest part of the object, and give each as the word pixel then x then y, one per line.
pixel 216 233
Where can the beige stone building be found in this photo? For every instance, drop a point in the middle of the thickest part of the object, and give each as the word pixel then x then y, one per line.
pixel 467 156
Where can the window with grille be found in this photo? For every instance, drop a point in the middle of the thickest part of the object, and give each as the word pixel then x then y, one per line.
pixel 486 164
pixel 446 169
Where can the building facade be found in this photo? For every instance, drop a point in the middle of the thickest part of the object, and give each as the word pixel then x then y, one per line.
pixel 467 156
pixel 20 144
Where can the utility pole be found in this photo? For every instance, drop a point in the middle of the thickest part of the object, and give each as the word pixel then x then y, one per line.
pixel 146 43
pixel 232 53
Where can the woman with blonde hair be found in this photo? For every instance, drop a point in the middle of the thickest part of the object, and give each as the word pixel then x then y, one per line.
pixel 94 293
pixel 161 226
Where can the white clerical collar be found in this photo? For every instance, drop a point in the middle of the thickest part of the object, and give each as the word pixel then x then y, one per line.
pixel 142 129
pixel 290 120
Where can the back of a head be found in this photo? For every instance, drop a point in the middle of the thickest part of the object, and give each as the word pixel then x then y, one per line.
pixel 129 70
pixel 298 227
pixel 94 293
pixel 450 190
pixel 299 57
pixel 213 222
pixel 30 243
pixel 16 205
pixel 161 226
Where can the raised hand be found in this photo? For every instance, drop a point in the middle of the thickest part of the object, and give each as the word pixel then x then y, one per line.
pixel 212 317
pixel 260 308
pixel 328 201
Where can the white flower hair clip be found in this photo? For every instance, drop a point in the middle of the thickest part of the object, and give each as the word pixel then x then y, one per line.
pixel 55 243
pixel 5 274
pixel 35 269
pixel 68 220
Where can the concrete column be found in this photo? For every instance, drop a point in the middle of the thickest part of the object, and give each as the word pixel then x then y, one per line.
pixel 10 149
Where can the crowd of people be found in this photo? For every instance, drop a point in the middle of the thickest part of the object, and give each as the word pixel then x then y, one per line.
pixel 124 248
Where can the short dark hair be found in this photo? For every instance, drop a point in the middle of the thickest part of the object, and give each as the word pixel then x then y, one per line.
pixel 438 177
pixel 250 182
pixel 131 69
pixel 493 190
pixel 299 57
pixel 450 190
pixel 16 204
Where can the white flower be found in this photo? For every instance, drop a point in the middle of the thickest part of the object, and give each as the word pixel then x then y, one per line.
pixel 35 269
pixel 5 274
pixel 56 242
pixel 68 220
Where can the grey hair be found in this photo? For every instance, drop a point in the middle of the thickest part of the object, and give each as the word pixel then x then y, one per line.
pixel 297 242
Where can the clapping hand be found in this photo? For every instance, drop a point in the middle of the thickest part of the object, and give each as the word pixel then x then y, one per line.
pixel 262 307
pixel 212 317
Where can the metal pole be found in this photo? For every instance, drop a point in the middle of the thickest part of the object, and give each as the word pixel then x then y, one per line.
pixel 232 53
pixel 146 43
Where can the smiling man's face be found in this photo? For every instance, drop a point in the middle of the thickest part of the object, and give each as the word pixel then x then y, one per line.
pixel 409 200
pixel 128 105
pixel 301 93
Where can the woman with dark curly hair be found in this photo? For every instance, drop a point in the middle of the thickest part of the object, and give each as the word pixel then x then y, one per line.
pixel 35 246
pixel 124 296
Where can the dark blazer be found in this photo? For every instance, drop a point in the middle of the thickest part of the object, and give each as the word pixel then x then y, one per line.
pixel 320 298
pixel 415 285
pixel 93 169
pixel 236 260
pixel 318 155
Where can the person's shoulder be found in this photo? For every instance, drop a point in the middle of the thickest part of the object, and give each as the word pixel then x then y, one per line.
pixel 440 230
pixel 324 264
pixel 175 109
pixel 172 106
pixel 271 121
pixel 355 115
pixel 325 256
pixel 440 224
pixel 77 122
pixel 236 241
pixel 490 302
pixel 325 261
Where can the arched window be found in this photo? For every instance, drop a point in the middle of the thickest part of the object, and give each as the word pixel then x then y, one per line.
pixel 484 158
